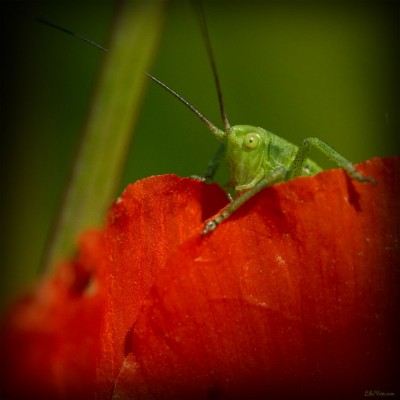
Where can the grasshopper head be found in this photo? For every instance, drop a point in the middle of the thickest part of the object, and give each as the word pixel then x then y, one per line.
pixel 246 146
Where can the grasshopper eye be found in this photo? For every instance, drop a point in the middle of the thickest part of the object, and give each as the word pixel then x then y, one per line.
pixel 251 140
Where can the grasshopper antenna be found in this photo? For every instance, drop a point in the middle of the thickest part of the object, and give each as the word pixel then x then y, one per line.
pixel 210 53
pixel 217 132
pixel 60 28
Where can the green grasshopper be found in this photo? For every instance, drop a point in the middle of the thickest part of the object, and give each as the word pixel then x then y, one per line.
pixel 255 157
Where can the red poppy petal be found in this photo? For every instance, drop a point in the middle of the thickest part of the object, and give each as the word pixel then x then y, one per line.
pixel 294 295
pixel 244 308
pixel 50 342
pixel 145 225
pixel 67 338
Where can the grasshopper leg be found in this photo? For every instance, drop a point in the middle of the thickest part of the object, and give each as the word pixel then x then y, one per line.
pixel 213 165
pixel 297 165
pixel 277 175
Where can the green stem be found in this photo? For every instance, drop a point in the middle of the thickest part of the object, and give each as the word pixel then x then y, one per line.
pixel 113 113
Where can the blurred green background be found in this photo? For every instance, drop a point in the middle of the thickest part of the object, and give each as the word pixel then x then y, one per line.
pixel 297 69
